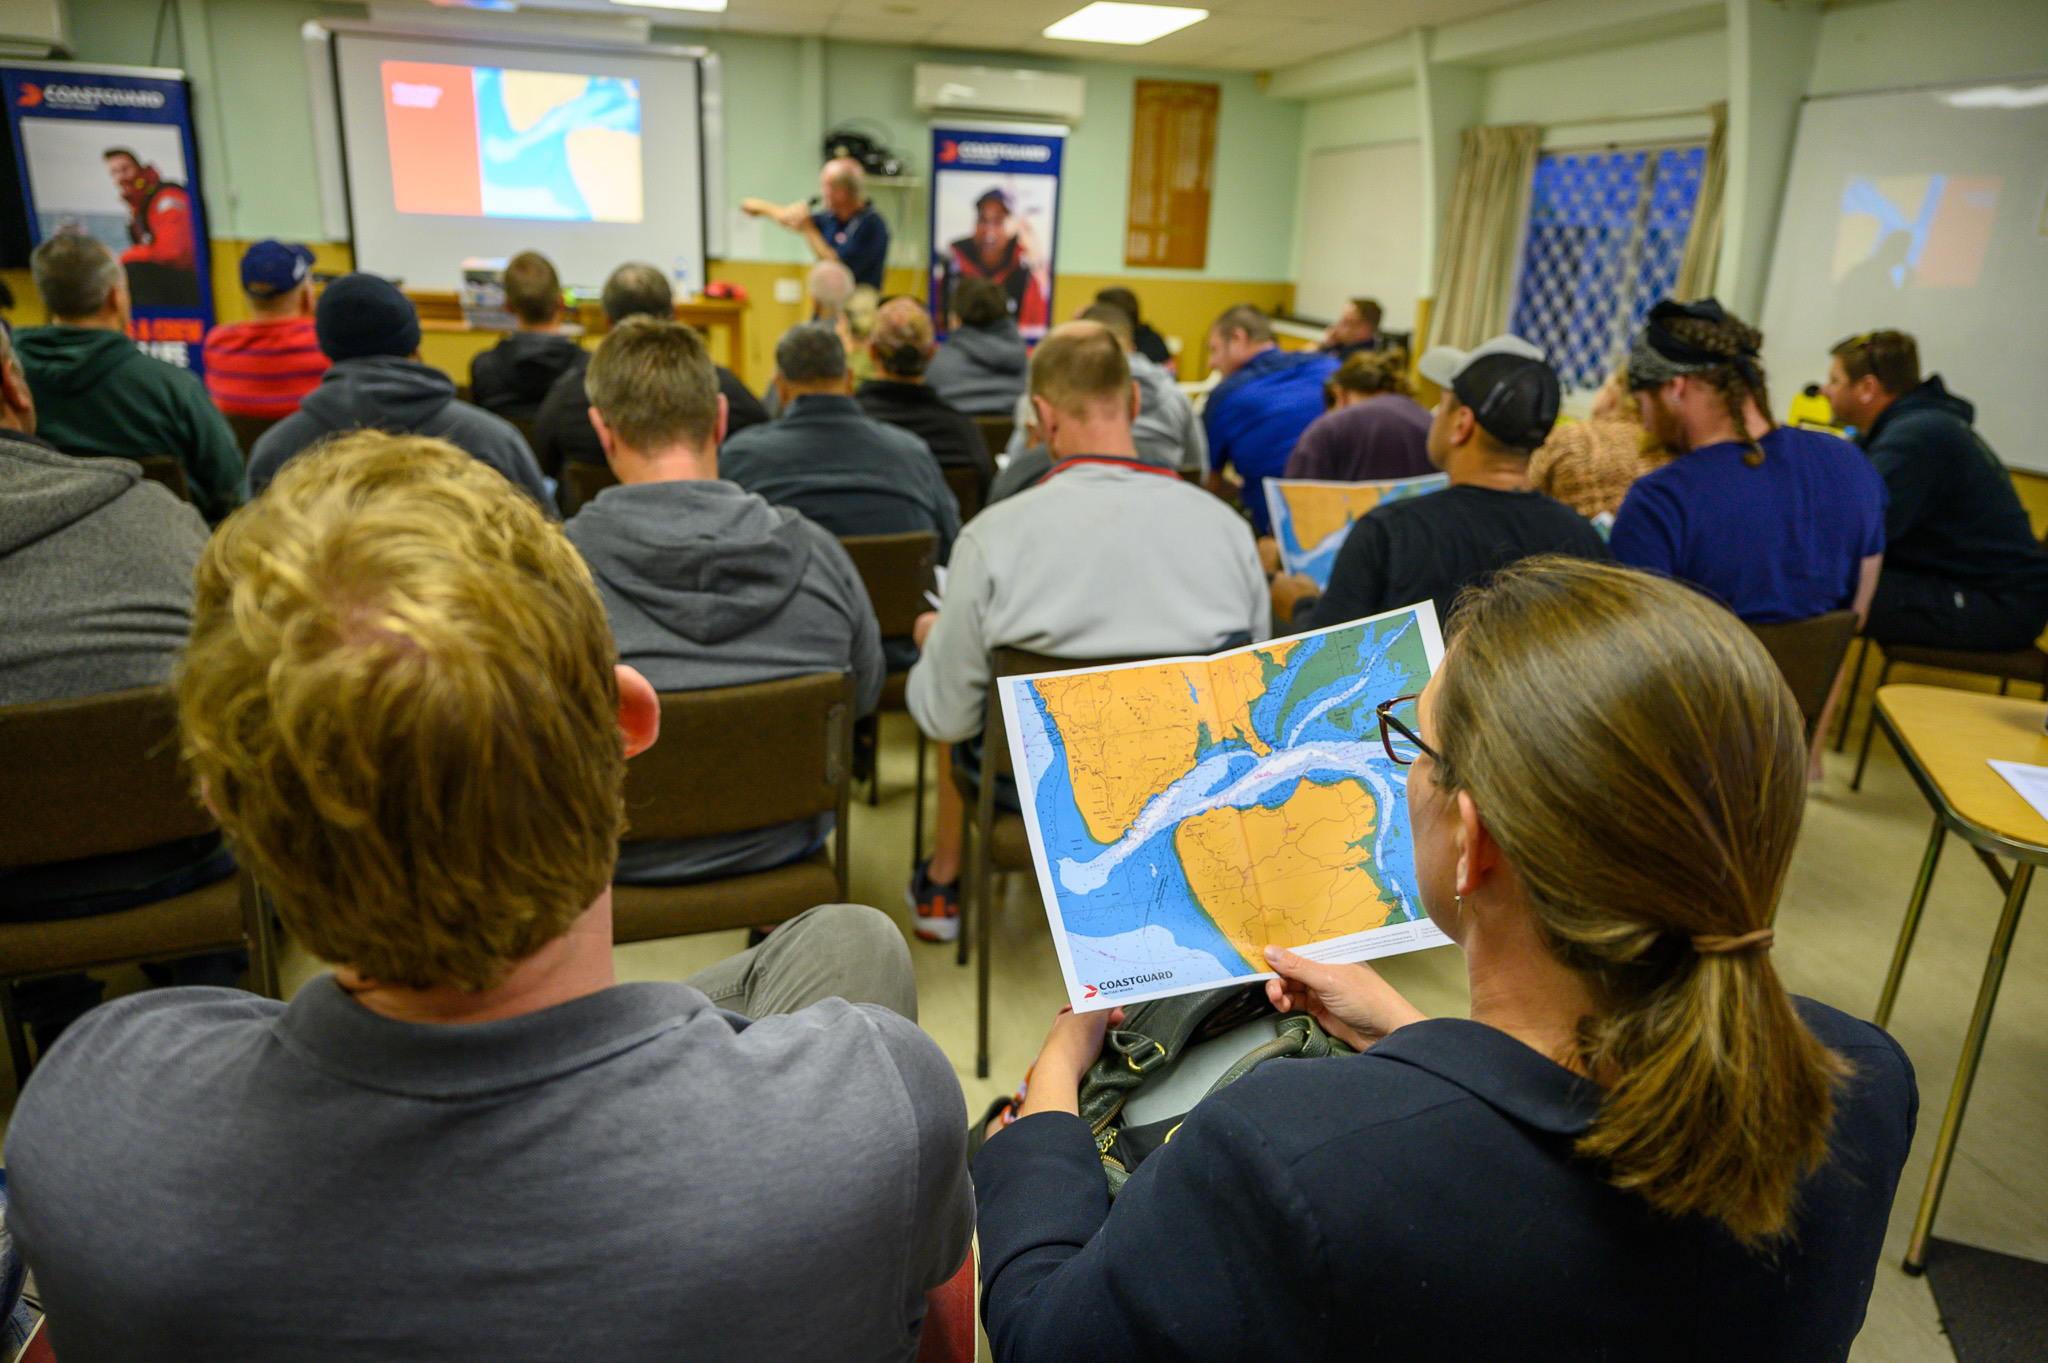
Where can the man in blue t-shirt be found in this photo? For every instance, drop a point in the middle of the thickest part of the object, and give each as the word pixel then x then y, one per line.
pixel 847 229
pixel 1267 399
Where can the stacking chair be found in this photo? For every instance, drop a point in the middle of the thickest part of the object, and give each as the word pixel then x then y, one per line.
pixel 966 485
pixel 997 841
pixel 731 759
pixel 581 482
pixel 96 777
pixel 170 473
pixel 896 569
pixel 1809 653
pixel 995 433
pixel 249 429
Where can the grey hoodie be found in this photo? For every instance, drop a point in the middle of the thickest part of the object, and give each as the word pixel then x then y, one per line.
pixel 392 394
pixel 981 370
pixel 708 585
pixel 95 574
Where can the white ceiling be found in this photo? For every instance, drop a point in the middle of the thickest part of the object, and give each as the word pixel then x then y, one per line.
pixel 1238 35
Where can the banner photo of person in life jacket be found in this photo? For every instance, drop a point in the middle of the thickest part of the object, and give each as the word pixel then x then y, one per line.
pixel 109 154
pixel 995 214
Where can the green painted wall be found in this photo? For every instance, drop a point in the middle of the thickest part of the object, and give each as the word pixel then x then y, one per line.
pixel 256 130
pixel 1875 46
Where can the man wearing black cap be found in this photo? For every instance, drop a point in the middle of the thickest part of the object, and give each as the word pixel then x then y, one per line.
pixel 372 333
pixel 1000 250
pixel 1499 403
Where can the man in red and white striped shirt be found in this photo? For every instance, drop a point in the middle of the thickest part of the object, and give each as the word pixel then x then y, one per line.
pixel 262 367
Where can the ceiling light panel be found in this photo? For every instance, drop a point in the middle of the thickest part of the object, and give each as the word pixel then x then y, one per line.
pixel 1108 22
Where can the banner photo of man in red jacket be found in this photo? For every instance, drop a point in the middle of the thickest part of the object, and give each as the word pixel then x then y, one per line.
pixel 109 153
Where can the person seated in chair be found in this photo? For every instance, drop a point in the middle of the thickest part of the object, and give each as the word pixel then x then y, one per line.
pixel 1962 568
pixel 513 376
pixel 95 597
pixel 562 432
pixel 469 1140
pixel 980 367
pixel 372 333
pixel 1256 414
pixel 705 584
pixel 901 345
pixel 1109 556
pixel 263 366
pixel 1637 1138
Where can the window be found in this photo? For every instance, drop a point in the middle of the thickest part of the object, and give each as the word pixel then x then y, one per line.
pixel 1606 234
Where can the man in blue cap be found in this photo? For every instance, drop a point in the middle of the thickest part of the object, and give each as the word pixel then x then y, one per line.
pixel 372 334
pixel 264 366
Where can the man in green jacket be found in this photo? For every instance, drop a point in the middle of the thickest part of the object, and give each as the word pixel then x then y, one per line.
pixel 97 394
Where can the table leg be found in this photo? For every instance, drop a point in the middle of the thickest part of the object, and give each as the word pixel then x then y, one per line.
pixel 1911 925
pixel 1966 1067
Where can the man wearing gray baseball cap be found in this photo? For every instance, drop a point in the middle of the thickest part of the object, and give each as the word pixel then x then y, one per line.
pixel 1499 402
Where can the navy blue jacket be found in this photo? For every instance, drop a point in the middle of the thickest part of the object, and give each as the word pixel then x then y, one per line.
pixel 1953 513
pixel 1416 1202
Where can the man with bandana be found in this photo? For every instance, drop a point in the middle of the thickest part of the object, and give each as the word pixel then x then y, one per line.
pixel 163 262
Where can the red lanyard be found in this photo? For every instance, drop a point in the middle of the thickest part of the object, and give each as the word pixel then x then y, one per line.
pixel 1114 461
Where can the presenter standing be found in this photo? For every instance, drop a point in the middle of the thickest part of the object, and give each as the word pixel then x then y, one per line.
pixel 847 229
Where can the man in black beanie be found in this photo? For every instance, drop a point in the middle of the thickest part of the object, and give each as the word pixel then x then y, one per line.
pixel 372 333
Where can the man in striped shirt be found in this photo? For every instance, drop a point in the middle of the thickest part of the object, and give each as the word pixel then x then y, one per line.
pixel 262 367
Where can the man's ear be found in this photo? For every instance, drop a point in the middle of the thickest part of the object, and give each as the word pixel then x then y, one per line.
pixel 639 711
pixel 14 391
pixel 724 416
pixel 1137 400
pixel 605 436
pixel 1463 424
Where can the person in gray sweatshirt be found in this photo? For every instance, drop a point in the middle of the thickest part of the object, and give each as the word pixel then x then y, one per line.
pixel 372 333
pixel 95 597
pixel 981 367
pixel 707 584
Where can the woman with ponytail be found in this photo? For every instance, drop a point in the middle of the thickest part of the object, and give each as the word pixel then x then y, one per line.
pixel 1775 522
pixel 1638 1146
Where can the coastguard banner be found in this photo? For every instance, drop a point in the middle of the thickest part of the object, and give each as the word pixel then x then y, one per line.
pixel 108 152
pixel 995 215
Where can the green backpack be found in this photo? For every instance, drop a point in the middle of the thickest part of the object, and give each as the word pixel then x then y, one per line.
pixel 1171 1053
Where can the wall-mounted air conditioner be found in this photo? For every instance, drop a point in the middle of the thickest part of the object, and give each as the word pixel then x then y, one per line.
pixel 35 28
pixel 1046 95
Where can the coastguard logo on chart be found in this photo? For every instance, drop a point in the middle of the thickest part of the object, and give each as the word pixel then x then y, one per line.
pixel 1124 985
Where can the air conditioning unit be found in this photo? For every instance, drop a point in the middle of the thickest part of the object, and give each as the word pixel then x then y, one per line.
pixel 34 28
pixel 1041 95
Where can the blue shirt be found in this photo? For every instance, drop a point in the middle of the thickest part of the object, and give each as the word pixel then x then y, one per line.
pixel 862 242
pixel 1779 542
pixel 1254 417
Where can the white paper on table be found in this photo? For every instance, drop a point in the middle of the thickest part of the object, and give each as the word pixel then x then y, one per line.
pixel 939 589
pixel 2029 780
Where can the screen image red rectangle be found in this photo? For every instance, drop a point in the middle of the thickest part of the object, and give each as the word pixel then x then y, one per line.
pixel 430 119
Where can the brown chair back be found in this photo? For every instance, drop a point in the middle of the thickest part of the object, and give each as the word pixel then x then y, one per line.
pixel 583 481
pixel 1809 653
pixel 95 777
pixel 966 485
pixel 995 432
pixel 895 569
pixel 736 758
pixel 249 429
pixel 170 473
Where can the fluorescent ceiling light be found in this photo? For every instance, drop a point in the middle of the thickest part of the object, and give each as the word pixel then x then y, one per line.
pixel 1106 22
pixel 1997 97
pixel 701 6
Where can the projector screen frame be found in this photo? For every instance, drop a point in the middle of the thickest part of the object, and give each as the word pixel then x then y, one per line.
pixel 330 145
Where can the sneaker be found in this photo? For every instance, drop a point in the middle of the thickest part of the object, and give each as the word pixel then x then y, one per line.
pixel 937 905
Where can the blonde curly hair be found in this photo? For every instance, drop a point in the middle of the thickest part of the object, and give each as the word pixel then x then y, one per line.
pixel 399 698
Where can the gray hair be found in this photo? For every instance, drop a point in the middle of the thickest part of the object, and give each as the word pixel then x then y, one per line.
pixel 1257 327
pixel 844 170
pixel 74 274
pixel 810 353
pixel 636 290
pixel 830 286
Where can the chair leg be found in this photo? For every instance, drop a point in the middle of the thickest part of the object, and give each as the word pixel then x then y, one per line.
pixel 1869 729
pixel 1966 1067
pixel 917 810
pixel 2003 682
pixel 983 871
pixel 17 1037
pixel 967 928
pixel 1849 704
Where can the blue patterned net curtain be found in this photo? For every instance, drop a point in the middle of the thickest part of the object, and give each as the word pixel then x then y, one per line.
pixel 1606 234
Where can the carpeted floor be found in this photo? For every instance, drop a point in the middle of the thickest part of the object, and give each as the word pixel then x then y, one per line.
pixel 1993 1306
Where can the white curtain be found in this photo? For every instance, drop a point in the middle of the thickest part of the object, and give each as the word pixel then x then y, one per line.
pixel 1476 262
